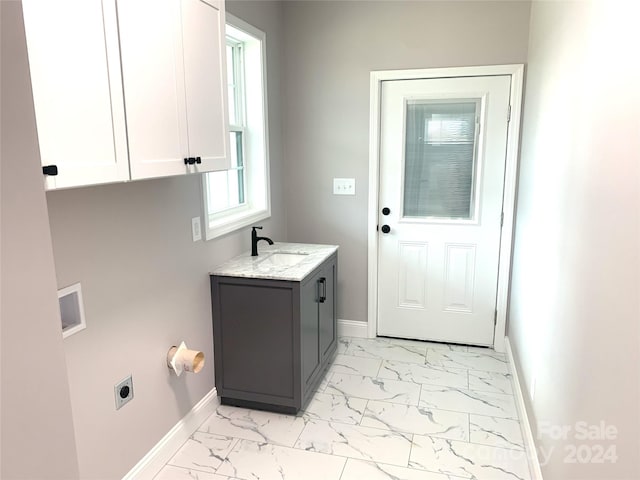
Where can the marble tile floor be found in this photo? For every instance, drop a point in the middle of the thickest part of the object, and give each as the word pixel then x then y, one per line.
pixel 387 409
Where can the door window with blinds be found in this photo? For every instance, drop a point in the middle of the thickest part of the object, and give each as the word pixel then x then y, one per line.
pixel 441 160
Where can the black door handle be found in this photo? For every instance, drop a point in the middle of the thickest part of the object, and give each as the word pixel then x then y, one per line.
pixel 189 161
pixel 322 297
pixel 385 228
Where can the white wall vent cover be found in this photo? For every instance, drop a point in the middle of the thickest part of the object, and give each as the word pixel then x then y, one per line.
pixel 71 309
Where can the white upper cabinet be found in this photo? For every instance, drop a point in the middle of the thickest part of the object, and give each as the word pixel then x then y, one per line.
pixel 128 89
pixel 175 94
pixel 206 83
pixel 77 91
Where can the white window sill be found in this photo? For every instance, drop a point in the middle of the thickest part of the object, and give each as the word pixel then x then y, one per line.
pixel 233 222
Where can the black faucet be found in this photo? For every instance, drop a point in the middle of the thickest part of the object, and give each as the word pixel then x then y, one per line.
pixel 255 239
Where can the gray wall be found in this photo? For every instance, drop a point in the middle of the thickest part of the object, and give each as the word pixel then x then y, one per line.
pixel 575 308
pixel 37 428
pixel 145 288
pixel 330 48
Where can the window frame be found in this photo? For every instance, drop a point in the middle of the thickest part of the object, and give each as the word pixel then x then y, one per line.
pixel 255 135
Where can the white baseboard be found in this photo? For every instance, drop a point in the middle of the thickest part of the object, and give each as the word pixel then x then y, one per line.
pixel 527 432
pixel 352 328
pixel 161 453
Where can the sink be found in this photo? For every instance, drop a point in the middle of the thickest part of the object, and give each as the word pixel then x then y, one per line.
pixel 282 259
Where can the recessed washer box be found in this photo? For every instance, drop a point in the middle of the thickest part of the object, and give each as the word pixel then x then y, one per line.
pixel 71 309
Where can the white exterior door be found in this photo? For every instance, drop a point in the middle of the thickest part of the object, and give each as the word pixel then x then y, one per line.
pixel 442 161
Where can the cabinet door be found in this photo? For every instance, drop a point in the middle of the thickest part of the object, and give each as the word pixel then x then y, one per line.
pixel 253 339
pixel 203 38
pixel 153 78
pixel 309 338
pixel 77 92
pixel 174 84
pixel 327 311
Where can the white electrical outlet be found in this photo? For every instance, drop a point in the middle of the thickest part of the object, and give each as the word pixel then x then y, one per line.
pixel 344 186
pixel 196 231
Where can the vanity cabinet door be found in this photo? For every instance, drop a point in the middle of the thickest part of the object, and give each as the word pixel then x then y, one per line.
pixel 253 327
pixel 318 322
pixel 327 311
pixel 77 92
pixel 309 332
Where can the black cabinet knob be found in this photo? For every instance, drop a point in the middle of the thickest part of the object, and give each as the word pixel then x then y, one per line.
pixel 386 211
pixel 198 160
pixel 385 229
pixel 51 170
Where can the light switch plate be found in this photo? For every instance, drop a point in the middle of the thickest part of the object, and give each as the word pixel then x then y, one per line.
pixel 196 230
pixel 344 186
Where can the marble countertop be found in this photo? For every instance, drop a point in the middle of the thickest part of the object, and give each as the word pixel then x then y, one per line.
pixel 263 266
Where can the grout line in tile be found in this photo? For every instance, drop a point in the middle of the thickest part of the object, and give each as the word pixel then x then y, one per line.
pixel 435 367
pixel 159 471
pixel 314 452
pixel 366 406
pixel 369 376
pixel 399 432
pixel 191 468
pixel 458 411
pixel 521 450
pixel 379 368
pixel 471 443
pixel 410 450
pixel 237 441
pixel 182 468
pixel 305 420
pixel 493 416
pixel 343 467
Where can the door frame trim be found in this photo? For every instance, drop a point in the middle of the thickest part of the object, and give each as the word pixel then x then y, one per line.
pixel 516 71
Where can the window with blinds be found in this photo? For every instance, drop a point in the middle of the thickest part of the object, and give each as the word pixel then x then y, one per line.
pixel 440 159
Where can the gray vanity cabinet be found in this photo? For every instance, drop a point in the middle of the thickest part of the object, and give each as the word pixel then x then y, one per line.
pixel 273 339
